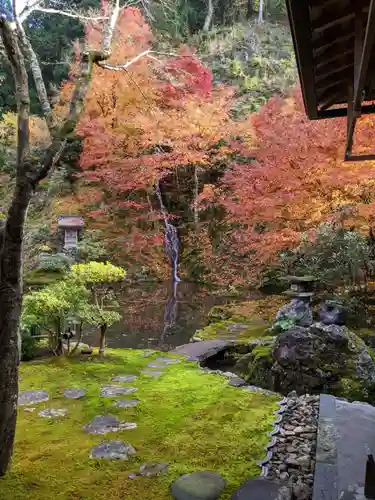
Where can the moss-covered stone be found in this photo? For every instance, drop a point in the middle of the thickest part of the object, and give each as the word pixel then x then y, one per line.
pixel 255 367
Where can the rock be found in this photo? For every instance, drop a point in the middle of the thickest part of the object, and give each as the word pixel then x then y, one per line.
pixel 132 475
pixel 124 378
pixel 284 476
pixel 150 469
pixel 107 423
pixel 322 356
pixel 152 373
pixel 31 397
pixel 200 351
pixel 156 365
pixel 237 382
pixel 167 361
pixel 298 430
pixel 127 403
pixel 53 413
pixel 262 489
pixel 113 450
pixel 297 310
pixel 332 313
pixel 74 393
pixel 109 391
pixel 198 486
pixel 30 410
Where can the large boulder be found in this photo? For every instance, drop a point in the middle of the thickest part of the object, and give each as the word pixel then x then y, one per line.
pixel 314 359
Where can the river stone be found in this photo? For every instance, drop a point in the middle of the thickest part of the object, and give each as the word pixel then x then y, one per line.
pixel 127 403
pixel 262 489
pixel 112 450
pixel 167 361
pixel 74 393
pixel 152 373
pixel 107 423
pixel 198 486
pixel 32 396
pixel 53 413
pixel 150 469
pixel 124 378
pixel 109 391
pixel 156 365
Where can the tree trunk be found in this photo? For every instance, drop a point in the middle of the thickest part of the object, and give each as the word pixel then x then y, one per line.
pixel 209 16
pixel 103 331
pixel 250 9
pixel 10 307
pixel 260 12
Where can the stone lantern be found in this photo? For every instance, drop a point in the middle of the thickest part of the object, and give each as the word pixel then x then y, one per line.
pixel 298 310
pixel 70 228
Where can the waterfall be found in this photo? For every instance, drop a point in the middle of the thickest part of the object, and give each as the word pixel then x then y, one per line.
pixel 170 313
pixel 171 241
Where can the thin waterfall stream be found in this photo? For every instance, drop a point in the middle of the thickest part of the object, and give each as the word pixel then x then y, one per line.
pixel 171 240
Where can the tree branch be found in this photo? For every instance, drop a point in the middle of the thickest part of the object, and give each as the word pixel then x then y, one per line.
pixel 74 15
pixel 125 66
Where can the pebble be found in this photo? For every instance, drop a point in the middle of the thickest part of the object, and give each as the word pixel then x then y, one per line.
pixel 293 458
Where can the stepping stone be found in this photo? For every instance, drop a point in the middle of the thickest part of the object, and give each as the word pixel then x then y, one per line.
pixel 30 410
pixel 32 397
pixel 167 361
pixel 199 486
pixel 124 378
pixel 147 353
pixel 74 393
pixel 152 373
pixel 127 403
pixel 150 469
pixel 262 489
pixel 107 423
pixel 53 413
pixel 199 351
pixel 156 365
pixel 109 391
pixel 112 450
pixel 237 382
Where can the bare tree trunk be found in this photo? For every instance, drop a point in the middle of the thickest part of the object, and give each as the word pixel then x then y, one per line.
pixel 103 331
pixel 260 12
pixel 250 9
pixel 209 16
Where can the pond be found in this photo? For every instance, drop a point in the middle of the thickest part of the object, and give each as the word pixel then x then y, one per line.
pixel 161 315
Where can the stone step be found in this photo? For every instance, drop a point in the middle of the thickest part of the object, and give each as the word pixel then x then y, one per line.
pixel 345 432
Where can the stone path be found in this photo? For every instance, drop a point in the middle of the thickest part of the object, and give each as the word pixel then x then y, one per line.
pixel 75 393
pixel 198 486
pixel 346 432
pixel 32 396
pixel 199 351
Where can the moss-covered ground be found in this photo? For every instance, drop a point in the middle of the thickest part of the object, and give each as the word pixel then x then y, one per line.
pixel 189 418
pixel 227 330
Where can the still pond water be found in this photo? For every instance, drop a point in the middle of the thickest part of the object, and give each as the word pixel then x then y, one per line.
pixel 160 315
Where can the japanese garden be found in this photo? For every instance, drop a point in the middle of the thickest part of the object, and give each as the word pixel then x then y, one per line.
pixel 187 250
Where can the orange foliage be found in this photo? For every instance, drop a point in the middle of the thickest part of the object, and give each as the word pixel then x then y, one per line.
pixel 141 124
pixel 297 180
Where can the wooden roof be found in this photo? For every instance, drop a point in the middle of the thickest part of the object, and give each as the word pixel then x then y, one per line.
pixel 334 45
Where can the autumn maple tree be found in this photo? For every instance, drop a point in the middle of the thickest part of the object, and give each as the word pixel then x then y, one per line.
pixel 296 180
pixel 140 125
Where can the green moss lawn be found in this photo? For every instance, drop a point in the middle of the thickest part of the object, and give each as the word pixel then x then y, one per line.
pixel 224 330
pixel 189 418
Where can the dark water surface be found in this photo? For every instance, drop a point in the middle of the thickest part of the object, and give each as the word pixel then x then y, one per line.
pixel 160 315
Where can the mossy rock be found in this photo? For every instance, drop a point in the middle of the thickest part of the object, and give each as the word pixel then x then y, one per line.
pixel 41 277
pixel 255 367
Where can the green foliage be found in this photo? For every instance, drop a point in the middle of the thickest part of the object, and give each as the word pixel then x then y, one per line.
pixel 335 257
pixel 257 59
pixel 28 345
pixel 59 262
pixel 90 247
pixel 97 273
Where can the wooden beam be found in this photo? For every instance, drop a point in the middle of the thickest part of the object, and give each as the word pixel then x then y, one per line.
pixel 367 109
pixel 299 19
pixel 362 55
pixel 323 64
pixel 324 78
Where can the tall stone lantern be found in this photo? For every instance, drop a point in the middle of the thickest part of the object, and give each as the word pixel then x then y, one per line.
pixel 298 310
pixel 70 229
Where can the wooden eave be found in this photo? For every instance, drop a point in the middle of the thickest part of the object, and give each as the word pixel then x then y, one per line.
pixel 334 46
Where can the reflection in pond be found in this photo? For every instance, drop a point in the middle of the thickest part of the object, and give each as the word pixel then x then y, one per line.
pixel 160 315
